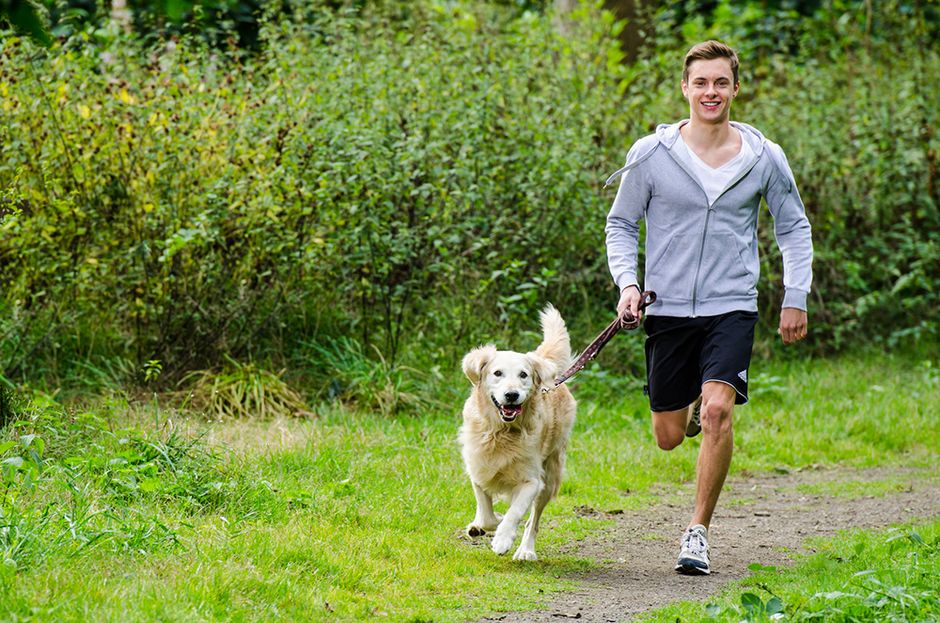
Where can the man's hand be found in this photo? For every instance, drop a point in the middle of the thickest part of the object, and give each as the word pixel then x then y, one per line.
pixel 792 325
pixel 630 299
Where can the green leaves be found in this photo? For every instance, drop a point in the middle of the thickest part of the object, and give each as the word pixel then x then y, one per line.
pixel 24 16
pixel 25 465
pixel 755 609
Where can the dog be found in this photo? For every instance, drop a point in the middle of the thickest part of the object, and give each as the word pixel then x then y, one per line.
pixel 516 426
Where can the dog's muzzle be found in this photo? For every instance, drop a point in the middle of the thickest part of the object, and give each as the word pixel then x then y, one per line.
pixel 508 412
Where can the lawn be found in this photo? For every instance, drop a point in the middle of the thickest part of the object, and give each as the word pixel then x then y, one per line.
pixel 137 512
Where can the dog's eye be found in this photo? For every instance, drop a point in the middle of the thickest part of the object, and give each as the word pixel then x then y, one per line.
pixel 498 373
pixel 523 375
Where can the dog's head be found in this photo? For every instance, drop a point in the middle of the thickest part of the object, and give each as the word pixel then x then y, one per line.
pixel 508 379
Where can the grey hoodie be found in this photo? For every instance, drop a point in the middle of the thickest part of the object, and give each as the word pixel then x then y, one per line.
pixel 701 260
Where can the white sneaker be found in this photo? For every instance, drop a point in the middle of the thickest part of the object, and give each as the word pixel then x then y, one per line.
pixel 693 556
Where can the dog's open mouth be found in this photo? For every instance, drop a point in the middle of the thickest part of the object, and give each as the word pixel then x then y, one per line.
pixel 508 412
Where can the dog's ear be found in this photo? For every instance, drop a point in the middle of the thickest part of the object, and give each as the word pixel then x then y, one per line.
pixel 544 370
pixel 476 360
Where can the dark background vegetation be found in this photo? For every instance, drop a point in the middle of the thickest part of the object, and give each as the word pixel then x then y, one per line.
pixel 359 192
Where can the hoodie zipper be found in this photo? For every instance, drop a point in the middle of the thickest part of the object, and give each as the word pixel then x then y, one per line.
pixel 708 213
pixel 701 255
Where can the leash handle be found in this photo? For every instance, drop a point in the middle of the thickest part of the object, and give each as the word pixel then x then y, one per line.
pixel 624 321
pixel 627 320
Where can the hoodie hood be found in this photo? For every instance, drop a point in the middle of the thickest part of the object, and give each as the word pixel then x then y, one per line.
pixel 668 134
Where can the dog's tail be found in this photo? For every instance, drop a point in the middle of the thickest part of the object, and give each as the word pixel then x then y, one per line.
pixel 556 345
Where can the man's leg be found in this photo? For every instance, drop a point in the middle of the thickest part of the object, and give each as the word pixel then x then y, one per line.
pixel 714 456
pixel 669 427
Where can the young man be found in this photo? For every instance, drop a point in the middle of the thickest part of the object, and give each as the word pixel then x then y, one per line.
pixel 699 183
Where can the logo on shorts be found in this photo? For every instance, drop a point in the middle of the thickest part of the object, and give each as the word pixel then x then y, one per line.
pixel 743 375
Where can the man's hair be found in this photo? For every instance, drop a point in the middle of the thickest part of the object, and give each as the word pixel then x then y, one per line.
pixel 708 50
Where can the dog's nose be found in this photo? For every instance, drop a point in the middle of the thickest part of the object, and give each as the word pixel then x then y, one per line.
pixel 511 397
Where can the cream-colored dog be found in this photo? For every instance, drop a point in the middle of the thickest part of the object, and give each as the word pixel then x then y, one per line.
pixel 514 435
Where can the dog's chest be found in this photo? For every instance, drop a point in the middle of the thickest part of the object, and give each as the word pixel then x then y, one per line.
pixel 505 457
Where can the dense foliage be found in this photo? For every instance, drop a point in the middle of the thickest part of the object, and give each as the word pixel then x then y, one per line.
pixel 394 184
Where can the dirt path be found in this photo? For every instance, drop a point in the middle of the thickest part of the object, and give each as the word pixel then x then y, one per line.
pixel 759 519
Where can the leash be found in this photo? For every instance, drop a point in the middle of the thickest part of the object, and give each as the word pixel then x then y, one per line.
pixel 624 321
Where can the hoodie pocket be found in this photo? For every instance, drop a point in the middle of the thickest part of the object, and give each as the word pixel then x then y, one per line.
pixel 670 270
pixel 723 273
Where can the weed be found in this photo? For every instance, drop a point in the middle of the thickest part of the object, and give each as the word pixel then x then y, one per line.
pixel 243 390
pixel 351 376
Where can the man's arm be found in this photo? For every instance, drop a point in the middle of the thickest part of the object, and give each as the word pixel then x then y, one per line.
pixel 623 232
pixel 794 238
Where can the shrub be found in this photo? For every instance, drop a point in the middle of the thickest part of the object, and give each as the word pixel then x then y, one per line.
pixel 420 178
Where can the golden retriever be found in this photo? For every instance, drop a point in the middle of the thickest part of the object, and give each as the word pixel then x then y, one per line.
pixel 515 432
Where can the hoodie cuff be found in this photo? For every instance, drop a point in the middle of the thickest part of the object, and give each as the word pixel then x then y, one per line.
pixel 626 280
pixel 795 298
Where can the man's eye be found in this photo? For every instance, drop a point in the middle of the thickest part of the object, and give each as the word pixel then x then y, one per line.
pixel 498 373
pixel 523 375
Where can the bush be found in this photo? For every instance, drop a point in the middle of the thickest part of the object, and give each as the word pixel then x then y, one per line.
pixel 357 178
pixel 420 178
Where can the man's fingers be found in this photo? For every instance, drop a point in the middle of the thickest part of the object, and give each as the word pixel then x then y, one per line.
pixel 791 334
pixel 793 325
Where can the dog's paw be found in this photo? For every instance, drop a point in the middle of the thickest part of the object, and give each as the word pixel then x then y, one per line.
pixel 474 530
pixel 480 527
pixel 525 554
pixel 502 543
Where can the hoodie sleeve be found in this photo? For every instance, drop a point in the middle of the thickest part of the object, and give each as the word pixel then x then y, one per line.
pixel 792 231
pixel 623 220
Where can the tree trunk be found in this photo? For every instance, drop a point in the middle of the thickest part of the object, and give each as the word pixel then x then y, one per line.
pixel 633 11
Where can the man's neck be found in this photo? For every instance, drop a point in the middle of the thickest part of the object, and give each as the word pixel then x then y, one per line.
pixel 707 136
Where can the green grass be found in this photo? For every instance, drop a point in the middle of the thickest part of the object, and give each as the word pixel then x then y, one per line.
pixel 134 513
pixel 891 575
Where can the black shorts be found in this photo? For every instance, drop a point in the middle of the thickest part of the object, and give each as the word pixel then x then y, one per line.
pixel 684 353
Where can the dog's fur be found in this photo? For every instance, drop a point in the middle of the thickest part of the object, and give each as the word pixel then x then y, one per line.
pixel 514 435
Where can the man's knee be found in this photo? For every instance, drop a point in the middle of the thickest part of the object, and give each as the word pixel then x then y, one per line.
pixel 668 436
pixel 716 417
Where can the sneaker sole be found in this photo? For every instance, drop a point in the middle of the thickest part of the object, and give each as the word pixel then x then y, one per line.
pixel 689 567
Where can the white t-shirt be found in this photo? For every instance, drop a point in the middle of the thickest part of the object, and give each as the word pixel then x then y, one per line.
pixel 715 181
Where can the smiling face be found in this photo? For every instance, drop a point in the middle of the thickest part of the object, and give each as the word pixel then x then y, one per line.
pixel 509 381
pixel 710 87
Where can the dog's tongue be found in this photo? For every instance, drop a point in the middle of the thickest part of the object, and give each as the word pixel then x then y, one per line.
pixel 510 411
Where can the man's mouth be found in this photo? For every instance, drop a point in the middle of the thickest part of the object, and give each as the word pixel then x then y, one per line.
pixel 711 104
pixel 508 412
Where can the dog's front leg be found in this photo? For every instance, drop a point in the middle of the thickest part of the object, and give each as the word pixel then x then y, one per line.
pixel 521 502
pixel 526 549
pixel 485 519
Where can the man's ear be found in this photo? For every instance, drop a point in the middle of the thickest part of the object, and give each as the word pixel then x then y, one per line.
pixel 544 371
pixel 476 360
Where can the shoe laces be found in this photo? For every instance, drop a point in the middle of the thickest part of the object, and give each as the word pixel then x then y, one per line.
pixel 695 542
